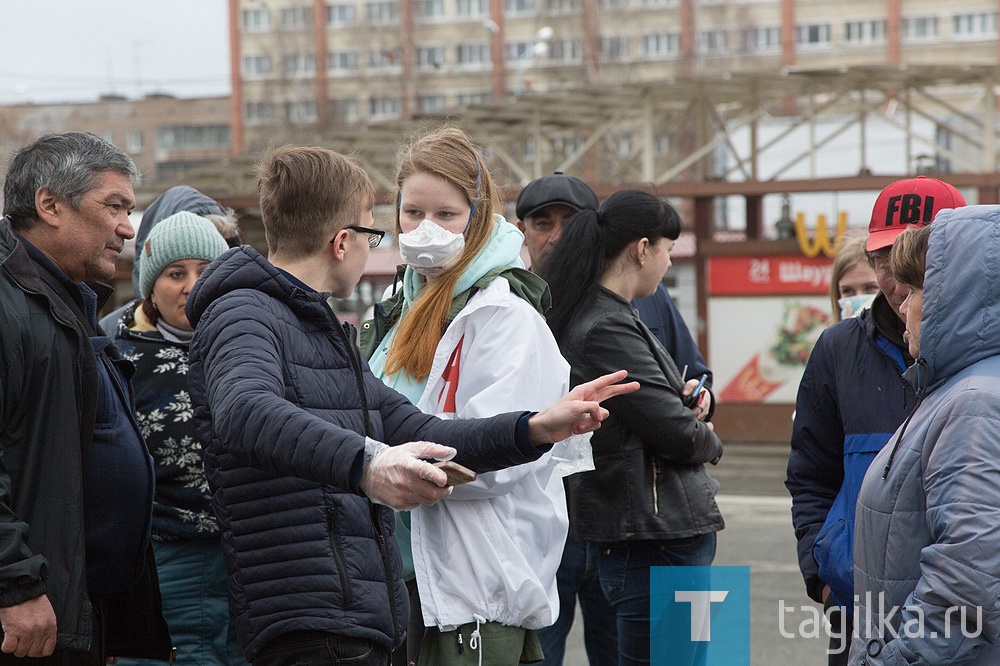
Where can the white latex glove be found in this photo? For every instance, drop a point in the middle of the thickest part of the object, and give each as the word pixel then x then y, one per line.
pixel 396 477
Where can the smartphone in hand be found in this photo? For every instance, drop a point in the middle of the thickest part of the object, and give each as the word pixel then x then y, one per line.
pixel 691 400
pixel 457 474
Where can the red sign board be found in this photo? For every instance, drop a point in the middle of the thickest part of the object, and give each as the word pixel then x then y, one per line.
pixel 742 276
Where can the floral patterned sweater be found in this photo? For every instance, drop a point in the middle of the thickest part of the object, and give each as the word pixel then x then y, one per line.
pixel 182 504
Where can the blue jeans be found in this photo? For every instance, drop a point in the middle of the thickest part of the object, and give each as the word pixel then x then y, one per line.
pixel 193 584
pixel 577 577
pixel 314 648
pixel 624 573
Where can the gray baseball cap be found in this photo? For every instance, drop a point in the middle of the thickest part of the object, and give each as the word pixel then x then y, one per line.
pixel 557 188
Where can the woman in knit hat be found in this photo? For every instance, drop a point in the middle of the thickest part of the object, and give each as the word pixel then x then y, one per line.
pixel 154 333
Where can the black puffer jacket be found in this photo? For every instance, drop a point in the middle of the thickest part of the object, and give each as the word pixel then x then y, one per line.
pixel 650 480
pixel 283 401
pixel 48 407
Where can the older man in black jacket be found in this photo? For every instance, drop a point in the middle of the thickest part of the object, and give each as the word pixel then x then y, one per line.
pixel 77 580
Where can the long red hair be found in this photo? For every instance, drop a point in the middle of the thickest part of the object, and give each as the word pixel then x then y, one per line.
pixel 447 153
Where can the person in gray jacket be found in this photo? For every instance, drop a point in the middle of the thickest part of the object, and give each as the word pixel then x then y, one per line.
pixel 927 547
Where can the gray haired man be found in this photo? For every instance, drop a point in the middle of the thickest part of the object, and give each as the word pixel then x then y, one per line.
pixel 77 578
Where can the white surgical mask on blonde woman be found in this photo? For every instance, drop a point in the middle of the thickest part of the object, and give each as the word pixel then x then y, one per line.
pixel 430 249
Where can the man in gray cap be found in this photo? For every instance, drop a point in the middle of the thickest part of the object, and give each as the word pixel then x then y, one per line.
pixel 544 209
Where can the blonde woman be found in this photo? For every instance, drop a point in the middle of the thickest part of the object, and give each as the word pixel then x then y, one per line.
pixel 853 284
pixel 463 337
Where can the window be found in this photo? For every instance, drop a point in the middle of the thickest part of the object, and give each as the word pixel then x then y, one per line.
pixel 431 103
pixel 623 145
pixel 339 15
pixel 614 48
pixel 259 113
pixel 296 18
pixel 661 146
pixel 813 34
pixel 301 113
pixel 383 108
pixel 975 26
pixel 429 9
pixel 566 145
pixel 659 3
pixel 864 32
pixel 516 7
pixel 562 6
pixel 920 28
pixel 341 62
pixel 757 40
pixel 661 44
pixel 382 12
pixel 471 8
pixel 256 66
pixel 528 147
pixel 346 110
pixel 384 59
pixel 472 55
pixel 430 57
pixel 134 142
pixel 467 99
pixel 298 64
pixel 513 51
pixel 256 20
pixel 713 42
pixel 565 49
pixel 613 4
pixel 180 137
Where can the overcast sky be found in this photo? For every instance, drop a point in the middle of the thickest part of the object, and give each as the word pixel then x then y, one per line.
pixel 75 50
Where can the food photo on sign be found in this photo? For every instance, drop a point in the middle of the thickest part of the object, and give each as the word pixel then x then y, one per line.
pixel 779 306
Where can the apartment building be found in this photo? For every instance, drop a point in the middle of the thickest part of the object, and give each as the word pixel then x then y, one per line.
pixel 301 66
pixel 165 135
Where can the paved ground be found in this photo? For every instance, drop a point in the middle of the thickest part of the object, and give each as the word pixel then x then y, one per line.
pixel 758 534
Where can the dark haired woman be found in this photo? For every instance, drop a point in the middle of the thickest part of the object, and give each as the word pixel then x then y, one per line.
pixel 649 502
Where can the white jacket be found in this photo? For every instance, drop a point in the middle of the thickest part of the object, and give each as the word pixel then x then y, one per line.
pixel 493 547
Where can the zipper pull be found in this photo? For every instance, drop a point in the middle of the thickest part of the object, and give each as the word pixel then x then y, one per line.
pixel 461 647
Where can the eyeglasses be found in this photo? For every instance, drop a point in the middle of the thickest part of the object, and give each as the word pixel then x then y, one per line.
pixel 374 235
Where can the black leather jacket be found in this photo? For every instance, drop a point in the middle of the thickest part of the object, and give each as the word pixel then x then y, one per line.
pixel 650 480
pixel 48 405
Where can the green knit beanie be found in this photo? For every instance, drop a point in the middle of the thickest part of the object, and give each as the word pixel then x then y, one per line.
pixel 181 236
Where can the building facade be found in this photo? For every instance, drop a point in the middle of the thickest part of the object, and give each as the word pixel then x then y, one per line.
pixel 165 135
pixel 300 67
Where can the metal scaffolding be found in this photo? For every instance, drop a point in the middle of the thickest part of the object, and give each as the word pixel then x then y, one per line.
pixel 671 133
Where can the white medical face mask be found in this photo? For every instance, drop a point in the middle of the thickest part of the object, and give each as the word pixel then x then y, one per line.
pixel 430 249
pixel 851 306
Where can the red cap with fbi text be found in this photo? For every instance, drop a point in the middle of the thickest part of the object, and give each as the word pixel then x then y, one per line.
pixel 908 203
